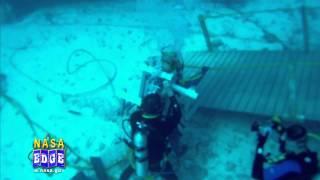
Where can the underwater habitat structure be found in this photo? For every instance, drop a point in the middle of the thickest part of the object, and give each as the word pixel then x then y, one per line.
pixel 159 89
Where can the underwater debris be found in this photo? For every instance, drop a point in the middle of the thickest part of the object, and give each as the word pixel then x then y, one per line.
pixel 231 167
pixel 3 83
pixel 64 97
pixel 49 17
pixel 70 38
pixel 90 141
pixel 39 98
pixel 75 112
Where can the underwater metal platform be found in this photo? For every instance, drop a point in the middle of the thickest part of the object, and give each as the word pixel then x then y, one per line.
pixel 259 82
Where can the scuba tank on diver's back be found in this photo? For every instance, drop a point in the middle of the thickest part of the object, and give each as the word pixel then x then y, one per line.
pixel 141 153
pixel 150 130
pixel 139 167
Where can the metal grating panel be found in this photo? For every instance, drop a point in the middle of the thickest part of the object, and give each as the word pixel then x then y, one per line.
pixel 258 82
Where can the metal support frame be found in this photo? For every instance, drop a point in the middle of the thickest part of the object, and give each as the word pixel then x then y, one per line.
pixel 202 20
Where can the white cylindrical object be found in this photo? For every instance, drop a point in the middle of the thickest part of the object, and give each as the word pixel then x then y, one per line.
pixel 168 76
pixel 186 92
pixel 155 72
pixel 141 154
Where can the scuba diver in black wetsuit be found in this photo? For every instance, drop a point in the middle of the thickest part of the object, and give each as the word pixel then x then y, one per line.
pixel 170 62
pixel 297 161
pixel 150 130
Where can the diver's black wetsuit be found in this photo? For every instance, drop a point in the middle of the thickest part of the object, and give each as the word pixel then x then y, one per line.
pixel 158 129
pixel 308 162
pixel 302 166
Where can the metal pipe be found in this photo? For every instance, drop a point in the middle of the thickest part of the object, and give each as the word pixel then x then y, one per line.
pixel 202 21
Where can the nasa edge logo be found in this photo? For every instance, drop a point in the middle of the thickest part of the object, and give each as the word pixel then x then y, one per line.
pixel 48 155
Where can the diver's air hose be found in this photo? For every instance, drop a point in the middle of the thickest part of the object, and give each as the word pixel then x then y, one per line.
pixel 21 110
pixel 33 125
pixel 94 59
pixel 124 128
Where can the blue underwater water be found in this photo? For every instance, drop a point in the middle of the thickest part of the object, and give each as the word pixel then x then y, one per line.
pixel 75 71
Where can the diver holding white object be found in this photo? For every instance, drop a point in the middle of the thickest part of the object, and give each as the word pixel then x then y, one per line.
pixel 169 67
pixel 172 62
pixel 164 76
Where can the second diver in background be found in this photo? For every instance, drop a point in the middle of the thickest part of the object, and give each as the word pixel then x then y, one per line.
pixel 297 162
